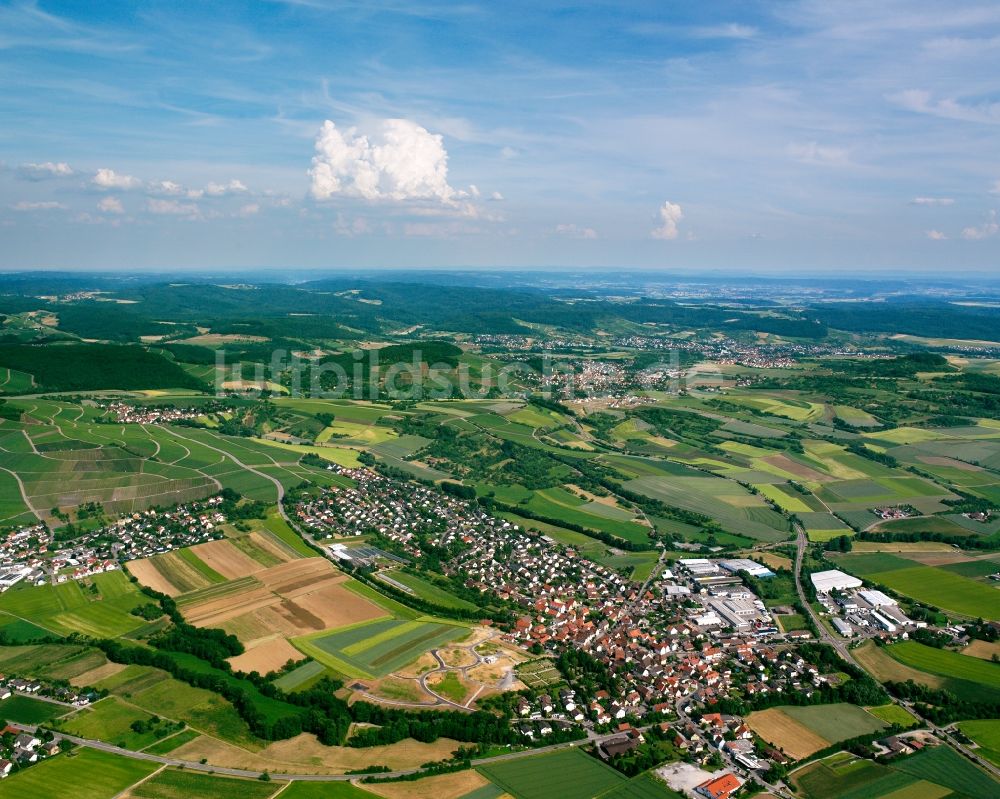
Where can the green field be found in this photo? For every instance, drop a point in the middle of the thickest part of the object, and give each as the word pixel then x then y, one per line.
pixel 26 710
pixel 946 664
pixel 325 790
pixel 893 714
pixel 942 765
pixel 175 784
pixel 376 648
pixel 67 608
pixel 86 774
pixel 568 774
pixel 986 733
pixel 168 745
pixel 109 720
pixel 428 591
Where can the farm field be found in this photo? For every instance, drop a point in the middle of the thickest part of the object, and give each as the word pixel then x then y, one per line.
pixel 66 608
pixel 175 784
pixel 86 774
pixel 268 608
pixel 986 734
pixel 429 591
pixel 569 774
pixel 799 731
pixel 109 720
pixel 27 710
pixel 946 664
pixel 375 649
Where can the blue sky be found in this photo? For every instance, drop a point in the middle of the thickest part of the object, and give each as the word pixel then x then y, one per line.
pixel 798 136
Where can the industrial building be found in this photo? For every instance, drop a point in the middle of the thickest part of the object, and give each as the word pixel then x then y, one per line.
pixel 833 580
pixel 745 565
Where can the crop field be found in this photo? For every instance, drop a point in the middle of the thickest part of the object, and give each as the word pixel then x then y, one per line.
pixel 801 730
pixel 326 790
pixel 728 502
pixel 27 710
pixel 86 774
pixel 942 765
pixel 301 677
pixel 429 591
pixel 376 648
pixel 175 784
pixel 986 734
pixel 845 776
pixel 946 664
pixel 67 608
pixel 293 599
pixel 167 745
pixel 560 504
pixel 893 714
pixel 568 774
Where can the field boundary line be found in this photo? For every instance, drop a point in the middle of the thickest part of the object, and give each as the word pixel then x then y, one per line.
pixel 128 790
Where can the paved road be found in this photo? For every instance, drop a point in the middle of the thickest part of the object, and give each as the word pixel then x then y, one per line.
pixel 840 644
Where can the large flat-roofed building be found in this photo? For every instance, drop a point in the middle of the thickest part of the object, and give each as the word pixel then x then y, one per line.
pixel 833 580
pixel 745 565
pixel 699 566
pixel 738 613
pixel 843 628
pixel 877 599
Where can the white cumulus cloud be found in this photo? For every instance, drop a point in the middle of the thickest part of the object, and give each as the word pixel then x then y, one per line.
pixel 110 205
pixel 166 188
pixel 48 169
pixel 219 189
pixel 932 201
pixel 936 235
pixel 988 229
pixel 670 215
pixel 402 161
pixel 109 179
pixel 574 231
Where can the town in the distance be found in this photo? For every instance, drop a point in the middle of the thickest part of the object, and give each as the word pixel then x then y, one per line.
pixel 603 538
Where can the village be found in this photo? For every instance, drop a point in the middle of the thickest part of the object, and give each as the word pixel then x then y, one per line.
pixel 693 636
pixel 33 555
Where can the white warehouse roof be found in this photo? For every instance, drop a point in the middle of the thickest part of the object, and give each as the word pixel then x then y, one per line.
pixel 876 598
pixel 834 579
pixel 743 564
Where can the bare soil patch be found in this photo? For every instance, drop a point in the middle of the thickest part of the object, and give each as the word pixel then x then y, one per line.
pixel 986 650
pixel 786 464
pixel 96 675
pixel 146 573
pixel 266 656
pixel 444 786
pixel 223 556
pixel 304 753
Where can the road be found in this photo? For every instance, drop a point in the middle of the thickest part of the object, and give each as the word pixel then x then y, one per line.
pixel 840 645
